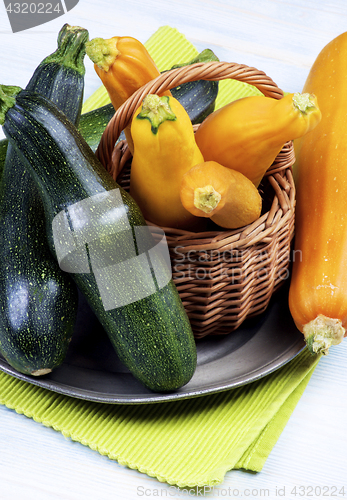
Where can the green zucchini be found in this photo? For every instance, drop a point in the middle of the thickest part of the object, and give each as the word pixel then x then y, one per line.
pixel 3 151
pixel 38 301
pixel 198 98
pixel 149 327
pixel 93 123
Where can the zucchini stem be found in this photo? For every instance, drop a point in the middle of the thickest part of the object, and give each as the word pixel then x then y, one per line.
pixel 7 99
pixel 71 48
pixel 40 372
pixel 323 332
pixel 207 55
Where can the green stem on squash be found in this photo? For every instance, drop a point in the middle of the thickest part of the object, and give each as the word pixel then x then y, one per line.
pixel 157 110
pixel 323 332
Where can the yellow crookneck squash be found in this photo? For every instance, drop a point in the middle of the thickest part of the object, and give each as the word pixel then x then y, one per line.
pixel 318 289
pixel 164 149
pixel 247 134
pixel 224 195
pixel 124 65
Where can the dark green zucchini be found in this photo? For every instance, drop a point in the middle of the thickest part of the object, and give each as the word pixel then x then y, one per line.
pixel 198 98
pixel 149 327
pixel 38 301
pixel 60 76
pixel 93 124
pixel 3 151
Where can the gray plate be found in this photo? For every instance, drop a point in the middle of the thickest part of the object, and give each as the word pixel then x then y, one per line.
pixel 92 371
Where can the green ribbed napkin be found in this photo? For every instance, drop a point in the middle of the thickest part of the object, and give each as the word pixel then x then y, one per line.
pixel 187 443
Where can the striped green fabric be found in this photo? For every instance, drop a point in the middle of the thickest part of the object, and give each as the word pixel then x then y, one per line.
pixel 191 442
pixel 168 47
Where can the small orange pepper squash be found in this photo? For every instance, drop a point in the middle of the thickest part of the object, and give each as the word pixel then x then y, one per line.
pixel 224 195
pixel 164 149
pixel 318 288
pixel 123 65
pixel 247 134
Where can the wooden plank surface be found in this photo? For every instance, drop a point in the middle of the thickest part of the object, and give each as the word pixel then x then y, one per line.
pixel 281 38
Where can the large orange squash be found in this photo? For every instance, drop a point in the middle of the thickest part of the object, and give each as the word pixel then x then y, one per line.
pixel 318 290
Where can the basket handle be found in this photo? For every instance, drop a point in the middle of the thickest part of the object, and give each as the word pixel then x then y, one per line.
pixel 212 71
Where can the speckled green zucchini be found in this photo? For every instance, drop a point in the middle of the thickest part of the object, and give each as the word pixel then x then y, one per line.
pixel 38 301
pixel 151 335
pixel 93 124
pixel 3 151
pixel 198 98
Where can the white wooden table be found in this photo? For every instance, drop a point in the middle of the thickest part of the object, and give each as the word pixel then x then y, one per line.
pixel 282 38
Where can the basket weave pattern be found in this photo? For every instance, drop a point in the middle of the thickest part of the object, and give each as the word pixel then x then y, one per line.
pixel 222 276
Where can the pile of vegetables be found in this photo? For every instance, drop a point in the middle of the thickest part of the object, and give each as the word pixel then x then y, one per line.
pixel 67 227
pixel 244 136
pixel 240 141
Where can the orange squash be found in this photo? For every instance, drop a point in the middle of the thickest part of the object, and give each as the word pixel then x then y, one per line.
pixel 224 195
pixel 123 65
pixel 247 135
pixel 318 288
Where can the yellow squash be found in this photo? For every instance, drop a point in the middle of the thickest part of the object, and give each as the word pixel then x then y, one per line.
pixel 123 65
pixel 246 135
pixel 224 195
pixel 164 149
pixel 318 289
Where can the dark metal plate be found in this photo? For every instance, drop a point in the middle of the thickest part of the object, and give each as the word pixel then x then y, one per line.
pixel 92 371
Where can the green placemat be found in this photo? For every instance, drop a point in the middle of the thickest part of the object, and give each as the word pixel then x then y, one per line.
pixel 168 46
pixel 191 442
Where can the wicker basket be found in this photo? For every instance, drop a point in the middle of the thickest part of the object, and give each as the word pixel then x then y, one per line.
pixel 223 276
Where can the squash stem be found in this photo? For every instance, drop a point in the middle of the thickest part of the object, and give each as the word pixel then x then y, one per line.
pixel 206 198
pixel 304 102
pixel 157 110
pixel 7 99
pixel 102 52
pixel 71 48
pixel 323 332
